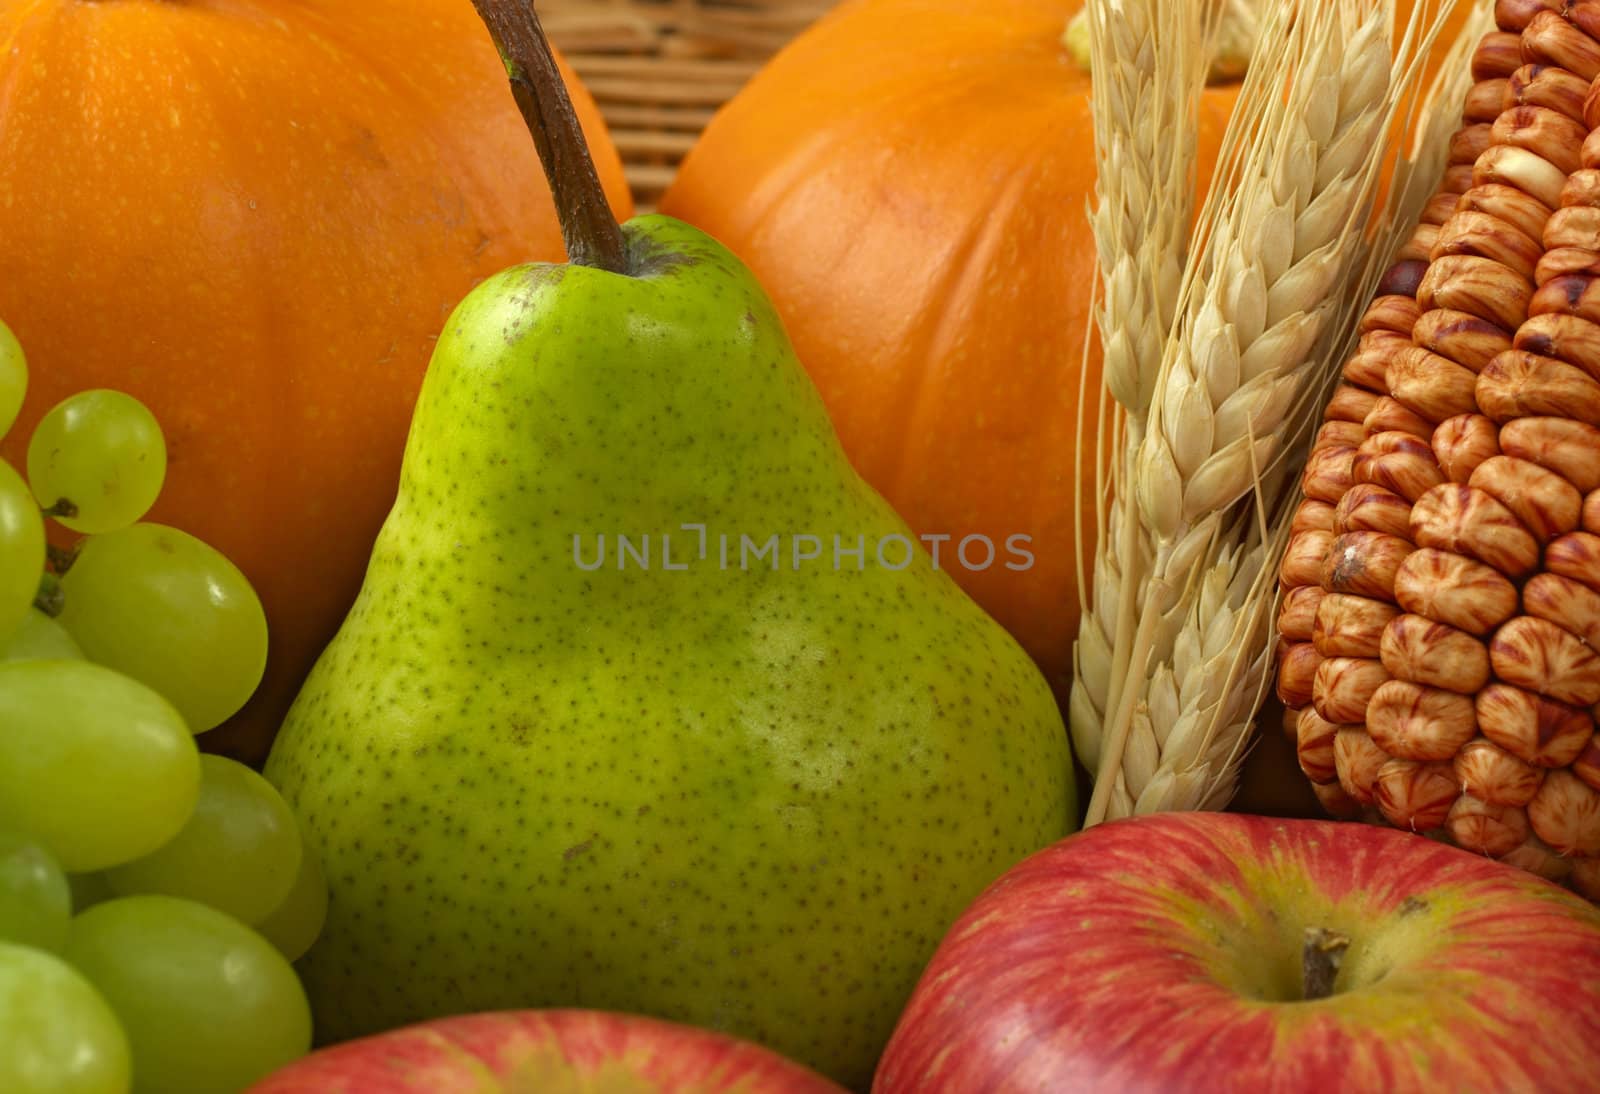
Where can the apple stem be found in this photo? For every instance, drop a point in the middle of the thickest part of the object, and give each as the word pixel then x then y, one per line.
pixel 592 235
pixel 1321 957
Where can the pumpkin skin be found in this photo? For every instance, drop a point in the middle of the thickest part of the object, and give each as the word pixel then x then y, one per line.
pixel 918 217
pixel 255 215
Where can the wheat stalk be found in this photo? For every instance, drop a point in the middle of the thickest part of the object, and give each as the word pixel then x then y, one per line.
pixel 1269 299
pixel 1148 64
pixel 1279 254
pixel 1223 718
pixel 1146 73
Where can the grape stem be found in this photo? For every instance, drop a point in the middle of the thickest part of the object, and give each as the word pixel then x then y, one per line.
pixel 64 507
pixel 60 559
pixel 591 233
pixel 50 599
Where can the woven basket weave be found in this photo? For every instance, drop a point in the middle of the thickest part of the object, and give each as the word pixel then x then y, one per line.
pixel 660 68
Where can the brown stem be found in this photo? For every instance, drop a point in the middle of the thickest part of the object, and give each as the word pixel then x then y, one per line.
pixel 592 234
pixel 49 599
pixel 1321 957
pixel 60 559
pixel 64 507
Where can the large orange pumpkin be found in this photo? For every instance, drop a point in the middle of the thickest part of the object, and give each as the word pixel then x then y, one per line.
pixel 909 180
pixel 254 215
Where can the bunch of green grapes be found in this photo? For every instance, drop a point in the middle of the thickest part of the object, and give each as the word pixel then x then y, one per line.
pixel 151 897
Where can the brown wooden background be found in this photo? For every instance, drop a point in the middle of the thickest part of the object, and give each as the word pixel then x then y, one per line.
pixel 660 68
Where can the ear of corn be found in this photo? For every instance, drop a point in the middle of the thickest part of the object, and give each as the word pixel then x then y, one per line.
pixel 1439 623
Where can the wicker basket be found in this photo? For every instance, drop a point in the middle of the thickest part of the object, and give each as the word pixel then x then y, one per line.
pixel 660 68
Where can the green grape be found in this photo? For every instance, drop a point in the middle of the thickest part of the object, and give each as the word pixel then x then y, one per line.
pixel 102 451
pixel 239 851
pixel 39 638
pixel 295 924
pixel 89 889
pixel 35 901
pixel 13 378
pixel 209 1006
pixel 172 612
pixel 21 550
pixel 57 1035
pixel 94 765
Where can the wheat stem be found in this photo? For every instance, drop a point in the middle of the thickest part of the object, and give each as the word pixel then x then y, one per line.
pixel 1147 71
pixel 1148 64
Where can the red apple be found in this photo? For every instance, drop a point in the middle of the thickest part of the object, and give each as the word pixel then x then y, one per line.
pixel 1170 953
pixel 527 1051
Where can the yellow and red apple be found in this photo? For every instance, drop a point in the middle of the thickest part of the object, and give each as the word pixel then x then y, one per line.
pixel 1218 952
pixel 517 1052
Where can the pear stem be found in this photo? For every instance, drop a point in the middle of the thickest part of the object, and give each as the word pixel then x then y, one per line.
pixel 592 234
pixel 1320 958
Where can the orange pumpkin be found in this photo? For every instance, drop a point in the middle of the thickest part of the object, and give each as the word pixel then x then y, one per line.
pixel 254 215
pixel 909 180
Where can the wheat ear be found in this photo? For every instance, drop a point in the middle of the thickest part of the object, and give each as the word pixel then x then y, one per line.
pixel 1147 60
pixel 1266 302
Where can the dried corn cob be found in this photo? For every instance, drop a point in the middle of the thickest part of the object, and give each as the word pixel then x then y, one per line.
pixel 1440 619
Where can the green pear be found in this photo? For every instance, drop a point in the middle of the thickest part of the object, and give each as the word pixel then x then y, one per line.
pixel 743 769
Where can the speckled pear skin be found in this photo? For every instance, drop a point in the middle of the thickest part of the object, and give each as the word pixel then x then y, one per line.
pixel 748 799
